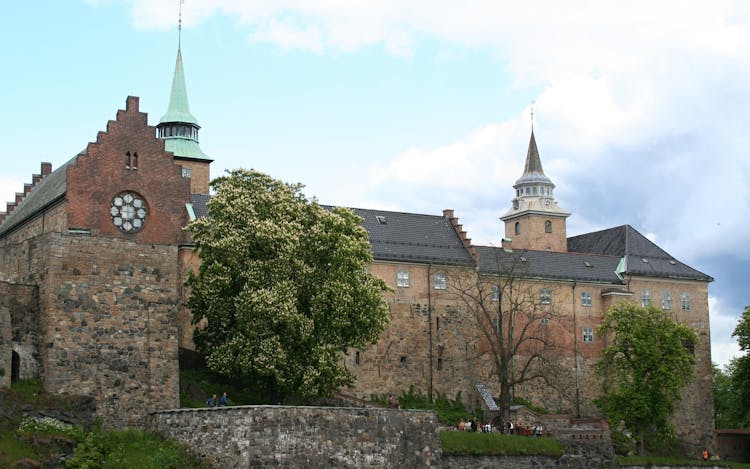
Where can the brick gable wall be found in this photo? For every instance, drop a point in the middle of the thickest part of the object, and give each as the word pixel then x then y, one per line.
pixel 98 176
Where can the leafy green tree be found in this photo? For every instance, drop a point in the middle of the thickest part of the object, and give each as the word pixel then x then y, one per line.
pixel 725 401
pixel 644 367
pixel 739 371
pixel 282 290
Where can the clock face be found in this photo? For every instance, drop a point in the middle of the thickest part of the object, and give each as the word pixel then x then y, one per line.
pixel 128 211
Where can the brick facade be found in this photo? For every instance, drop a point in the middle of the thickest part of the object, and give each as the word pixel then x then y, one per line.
pixel 103 172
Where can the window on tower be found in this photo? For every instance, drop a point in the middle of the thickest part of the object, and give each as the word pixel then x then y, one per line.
pixel 548 226
pixel 518 228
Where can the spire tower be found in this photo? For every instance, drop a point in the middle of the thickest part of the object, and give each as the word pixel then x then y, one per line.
pixel 535 221
pixel 179 128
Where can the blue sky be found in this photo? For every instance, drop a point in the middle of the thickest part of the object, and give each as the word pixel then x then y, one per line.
pixel 415 105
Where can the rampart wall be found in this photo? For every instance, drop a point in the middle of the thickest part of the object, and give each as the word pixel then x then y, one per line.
pixel 281 436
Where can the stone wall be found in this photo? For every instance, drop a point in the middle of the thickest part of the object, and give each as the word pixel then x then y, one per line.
pixel 110 308
pixel 317 437
pixel 97 317
pixel 20 332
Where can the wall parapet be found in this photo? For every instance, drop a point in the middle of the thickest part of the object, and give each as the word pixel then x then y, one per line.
pixel 257 436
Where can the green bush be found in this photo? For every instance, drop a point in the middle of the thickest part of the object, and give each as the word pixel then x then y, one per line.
pixel 48 426
pixel 449 411
pixel 89 454
pixel 622 444
pixel 129 448
pixel 526 403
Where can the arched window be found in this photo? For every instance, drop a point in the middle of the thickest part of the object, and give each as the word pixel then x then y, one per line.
pixel 548 226
pixel 518 228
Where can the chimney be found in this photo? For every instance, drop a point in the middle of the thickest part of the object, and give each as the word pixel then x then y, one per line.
pixel 35 178
pixel 19 197
pixel 46 169
pixel 10 206
pixel 27 188
pixel 131 103
pixel 2 217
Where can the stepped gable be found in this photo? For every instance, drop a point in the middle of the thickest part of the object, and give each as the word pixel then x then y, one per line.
pixel 642 257
pixel 412 237
pixel 49 190
pixel 548 265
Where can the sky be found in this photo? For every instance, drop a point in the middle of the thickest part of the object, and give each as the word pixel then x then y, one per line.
pixel 640 107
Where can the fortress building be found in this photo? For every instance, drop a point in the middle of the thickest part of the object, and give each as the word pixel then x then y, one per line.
pixel 93 257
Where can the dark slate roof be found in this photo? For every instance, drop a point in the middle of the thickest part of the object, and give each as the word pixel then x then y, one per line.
pixel 642 257
pixel 200 204
pixel 410 237
pixel 405 237
pixel 548 265
pixel 49 189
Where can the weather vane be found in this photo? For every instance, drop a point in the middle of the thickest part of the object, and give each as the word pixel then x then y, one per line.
pixel 179 26
pixel 532 114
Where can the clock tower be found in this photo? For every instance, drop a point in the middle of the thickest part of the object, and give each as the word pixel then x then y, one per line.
pixel 535 221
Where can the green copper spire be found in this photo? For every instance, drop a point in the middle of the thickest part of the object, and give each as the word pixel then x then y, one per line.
pixel 178 127
pixel 179 110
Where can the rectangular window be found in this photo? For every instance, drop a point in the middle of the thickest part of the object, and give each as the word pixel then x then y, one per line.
pixel 588 334
pixel 666 300
pixel 187 173
pixel 544 321
pixel 356 358
pixel 495 294
pixel 496 325
pixel 685 301
pixel 441 281
pixel 645 297
pixel 402 279
pixel 585 299
pixel 545 296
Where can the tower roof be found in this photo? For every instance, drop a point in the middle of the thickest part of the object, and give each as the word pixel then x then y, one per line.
pixel 534 189
pixel 533 172
pixel 178 127
pixel 179 110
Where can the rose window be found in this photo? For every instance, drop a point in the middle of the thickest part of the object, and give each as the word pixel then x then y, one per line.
pixel 128 212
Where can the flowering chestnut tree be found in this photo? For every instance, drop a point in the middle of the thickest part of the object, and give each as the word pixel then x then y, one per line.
pixel 282 290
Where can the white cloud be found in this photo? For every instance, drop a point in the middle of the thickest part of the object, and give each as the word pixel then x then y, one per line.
pixel 289 36
pixel 724 347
